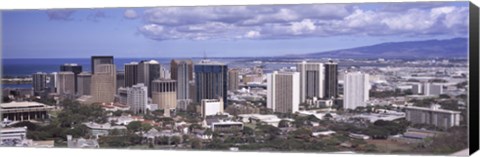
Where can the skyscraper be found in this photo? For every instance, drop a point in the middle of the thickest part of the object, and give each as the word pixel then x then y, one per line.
pixel 84 81
pixel 181 71
pixel 137 98
pixel 211 81
pixel 103 83
pixel 331 79
pixel 147 72
pixel 311 80
pixel 51 85
pixel 39 82
pixel 120 79
pixel 96 60
pixel 66 83
pixel 164 94
pixel 131 74
pixel 356 90
pixel 75 68
pixel 164 73
pixel 233 79
pixel 187 66
pixel 283 91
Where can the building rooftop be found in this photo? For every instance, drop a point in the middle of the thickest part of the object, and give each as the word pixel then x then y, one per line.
pixel 22 104
pixel 433 108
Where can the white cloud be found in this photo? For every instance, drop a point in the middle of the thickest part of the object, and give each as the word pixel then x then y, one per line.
pixel 293 21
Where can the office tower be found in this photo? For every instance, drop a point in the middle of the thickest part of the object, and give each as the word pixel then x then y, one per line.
pixel 66 83
pixel 84 81
pixel 39 82
pixel 331 79
pixel 434 116
pixel 164 94
pixel 211 81
pixel 356 90
pixel 122 95
pixel 103 84
pixel 51 85
pixel 233 79
pixel 147 72
pixel 192 90
pixel 210 107
pixel 186 68
pixel 96 60
pixel 137 98
pixel 182 71
pixel 120 79
pixel 75 68
pixel 283 91
pixel 311 80
pixel 164 73
pixel 131 74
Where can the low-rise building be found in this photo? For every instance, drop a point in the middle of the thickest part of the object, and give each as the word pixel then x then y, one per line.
pixel 434 116
pixel 20 111
pixel 102 129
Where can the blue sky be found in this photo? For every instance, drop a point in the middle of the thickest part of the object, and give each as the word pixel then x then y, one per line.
pixel 224 30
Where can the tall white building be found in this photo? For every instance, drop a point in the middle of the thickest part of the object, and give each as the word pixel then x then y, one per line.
pixel 283 91
pixel 356 90
pixel 137 98
pixel 312 80
pixel 211 107
pixel 430 89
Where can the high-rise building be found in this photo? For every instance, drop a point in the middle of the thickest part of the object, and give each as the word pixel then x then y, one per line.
pixel 164 73
pixel 66 83
pixel 311 80
pixel 181 71
pixel 211 107
pixel 434 116
pixel 137 98
pixel 39 82
pixel 211 81
pixel 356 90
pixel 103 85
pixel 147 72
pixel 186 68
pixel 51 85
pixel 331 79
pixel 131 74
pixel 75 68
pixel 233 79
pixel 417 88
pixel 120 79
pixel 96 60
pixel 430 89
pixel 164 94
pixel 84 81
pixel 122 95
pixel 283 91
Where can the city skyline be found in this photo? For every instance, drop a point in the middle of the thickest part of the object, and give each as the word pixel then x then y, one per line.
pixel 221 31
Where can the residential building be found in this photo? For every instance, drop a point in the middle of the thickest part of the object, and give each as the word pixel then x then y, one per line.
pixel 66 83
pixel 331 80
pixel 39 82
pixel 137 98
pixel 283 91
pixel 356 90
pixel 312 80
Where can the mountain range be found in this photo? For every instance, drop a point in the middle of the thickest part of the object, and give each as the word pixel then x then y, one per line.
pixel 445 48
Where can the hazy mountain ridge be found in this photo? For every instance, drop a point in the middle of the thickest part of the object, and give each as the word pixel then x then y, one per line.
pixel 447 48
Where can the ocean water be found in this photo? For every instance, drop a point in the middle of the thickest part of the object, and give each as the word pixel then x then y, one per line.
pixel 26 67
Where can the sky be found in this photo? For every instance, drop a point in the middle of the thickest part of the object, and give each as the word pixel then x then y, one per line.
pixel 224 31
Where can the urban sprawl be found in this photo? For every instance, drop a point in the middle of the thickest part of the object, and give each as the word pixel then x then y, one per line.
pixel 374 105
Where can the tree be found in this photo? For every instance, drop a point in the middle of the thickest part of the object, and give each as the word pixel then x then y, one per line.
pixel 134 126
pixel 283 124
